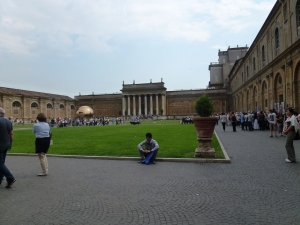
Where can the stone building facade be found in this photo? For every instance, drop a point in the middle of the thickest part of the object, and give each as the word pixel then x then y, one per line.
pixel 269 73
pixel 151 99
pixel 26 105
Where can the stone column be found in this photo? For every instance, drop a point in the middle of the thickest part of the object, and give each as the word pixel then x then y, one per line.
pixel 55 104
pixel 146 113
pixel 128 104
pixel 123 105
pixel 163 104
pixel 157 110
pixel 24 109
pixel 134 109
pixel 140 109
pixel 151 105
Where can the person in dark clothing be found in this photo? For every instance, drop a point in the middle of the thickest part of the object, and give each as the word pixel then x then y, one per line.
pixel 6 138
pixel 233 121
pixel 261 120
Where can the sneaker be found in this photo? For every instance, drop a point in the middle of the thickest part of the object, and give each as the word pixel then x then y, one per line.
pixel 42 174
pixel 288 161
pixel 9 184
pixel 271 136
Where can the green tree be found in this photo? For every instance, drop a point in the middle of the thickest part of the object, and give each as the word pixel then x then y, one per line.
pixel 204 106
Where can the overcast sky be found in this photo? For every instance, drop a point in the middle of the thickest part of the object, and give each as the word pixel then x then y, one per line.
pixel 71 46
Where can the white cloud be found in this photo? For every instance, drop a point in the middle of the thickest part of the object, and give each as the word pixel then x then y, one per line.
pixel 64 27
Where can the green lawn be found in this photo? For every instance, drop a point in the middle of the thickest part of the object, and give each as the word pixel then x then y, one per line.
pixel 175 140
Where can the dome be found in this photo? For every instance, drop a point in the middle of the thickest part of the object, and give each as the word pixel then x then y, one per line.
pixel 85 111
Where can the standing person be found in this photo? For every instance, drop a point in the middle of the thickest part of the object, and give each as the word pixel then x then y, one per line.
pixel 261 121
pixel 291 126
pixel 255 123
pixel 250 120
pixel 218 117
pixel 242 120
pixel 6 138
pixel 238 119
pixel 246 120
pixel 42 142
pixel 223 120
pixel 233 121
pixel 279 121
pixel 272 121
pixel 147 146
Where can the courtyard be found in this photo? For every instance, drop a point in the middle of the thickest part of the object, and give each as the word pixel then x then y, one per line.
pixel 257 187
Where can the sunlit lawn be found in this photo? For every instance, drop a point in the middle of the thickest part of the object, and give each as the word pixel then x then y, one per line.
pixel 175 140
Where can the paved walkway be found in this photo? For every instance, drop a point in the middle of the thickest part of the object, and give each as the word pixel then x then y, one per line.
pixel 257 187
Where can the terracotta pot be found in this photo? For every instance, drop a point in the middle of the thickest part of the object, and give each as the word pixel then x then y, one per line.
pixel 205 126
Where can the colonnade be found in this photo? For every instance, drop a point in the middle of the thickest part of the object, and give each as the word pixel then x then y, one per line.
pixel 144 100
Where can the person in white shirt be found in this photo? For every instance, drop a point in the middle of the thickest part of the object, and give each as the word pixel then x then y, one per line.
pixel 272 121
pixel 223 120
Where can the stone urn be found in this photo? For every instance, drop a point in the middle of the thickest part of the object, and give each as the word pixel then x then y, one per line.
pixel 205 128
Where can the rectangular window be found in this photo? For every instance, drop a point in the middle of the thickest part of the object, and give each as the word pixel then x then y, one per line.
pixel 266 102
pixel 280 98
pixel 33 112
pixel 16 111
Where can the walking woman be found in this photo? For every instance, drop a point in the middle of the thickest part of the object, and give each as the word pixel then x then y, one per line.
pixel 42 142
pixel 291 126
pixel 223 119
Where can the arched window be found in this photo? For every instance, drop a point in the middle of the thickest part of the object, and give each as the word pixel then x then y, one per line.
pixel 72 107
pixel 49 106
pixel 254 66
pixel 61 106
pixel 298 13
pixel 276 38
pixel 263 55
pixel 16 104
pixel 34 105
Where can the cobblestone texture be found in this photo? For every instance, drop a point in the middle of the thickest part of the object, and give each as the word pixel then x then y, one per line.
pixel 258 187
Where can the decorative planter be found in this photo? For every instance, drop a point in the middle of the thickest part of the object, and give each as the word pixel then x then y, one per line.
pixel 205 128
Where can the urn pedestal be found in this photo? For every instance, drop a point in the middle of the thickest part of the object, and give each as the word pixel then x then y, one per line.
pixel 205 128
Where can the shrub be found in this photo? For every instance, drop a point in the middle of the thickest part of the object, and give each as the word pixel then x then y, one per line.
pixel 204 106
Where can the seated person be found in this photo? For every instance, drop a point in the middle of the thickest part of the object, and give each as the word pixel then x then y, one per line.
pixel 147 146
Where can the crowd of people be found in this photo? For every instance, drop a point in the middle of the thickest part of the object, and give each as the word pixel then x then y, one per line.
pixel 93 121
pixel 253 121
pixel 278 123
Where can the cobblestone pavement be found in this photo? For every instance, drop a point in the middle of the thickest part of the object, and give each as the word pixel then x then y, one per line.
pixel 257 187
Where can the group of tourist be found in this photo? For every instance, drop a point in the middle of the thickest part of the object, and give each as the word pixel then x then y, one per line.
pixel 93 121
pixel 278 123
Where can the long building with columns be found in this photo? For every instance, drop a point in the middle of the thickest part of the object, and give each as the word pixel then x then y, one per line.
pixel 150 99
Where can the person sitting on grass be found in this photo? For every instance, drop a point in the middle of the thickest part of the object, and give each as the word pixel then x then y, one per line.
pixel 147 147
